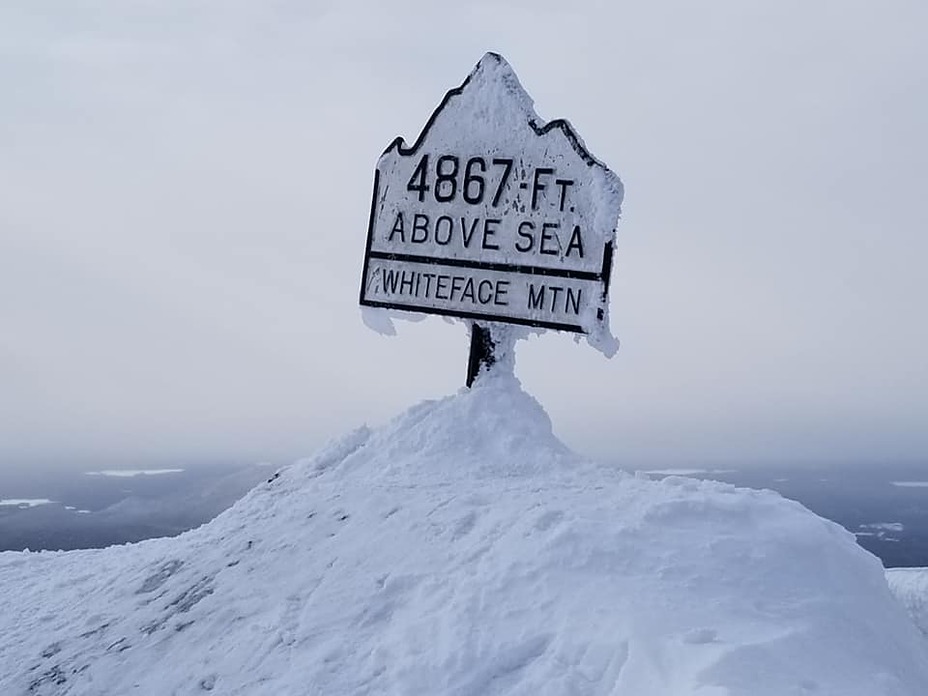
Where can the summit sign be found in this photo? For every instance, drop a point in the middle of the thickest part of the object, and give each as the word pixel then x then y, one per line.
pixel 493 215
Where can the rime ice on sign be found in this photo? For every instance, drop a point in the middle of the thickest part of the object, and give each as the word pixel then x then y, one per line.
pixel 493 215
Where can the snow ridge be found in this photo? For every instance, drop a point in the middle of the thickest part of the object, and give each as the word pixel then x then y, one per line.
pixel 463 550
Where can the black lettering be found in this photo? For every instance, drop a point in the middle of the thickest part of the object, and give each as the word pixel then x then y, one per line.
pixel 468 291
pixel 398 227
pixel 420 223
pixel 473 179
pixel 455 286
pixel 506 163
pixel 573 301
pixel 390 278
pixel 502 287
pixel 450 229
pixel 418 280
pixel 536 300
pixel 417 182
pixel 465 235
pixel 442 282
pixel 428 284
pixel 563 184
pixel 575 242
pixel 555 291
pixel 547 236
pixel 443 194
pixel 488 286
pixel 538 185
pixel 488 232
pixel 525 235
pixel 407 282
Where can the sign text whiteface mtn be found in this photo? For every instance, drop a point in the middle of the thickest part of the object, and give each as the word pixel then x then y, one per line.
pixel 493 215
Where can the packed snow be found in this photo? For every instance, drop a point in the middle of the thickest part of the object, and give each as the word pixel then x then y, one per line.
pixel 463 550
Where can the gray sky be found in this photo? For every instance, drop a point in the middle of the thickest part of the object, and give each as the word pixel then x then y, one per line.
pixel 184 192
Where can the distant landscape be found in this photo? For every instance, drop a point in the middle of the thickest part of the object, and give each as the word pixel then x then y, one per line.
pixel 885 506
pixel 67 510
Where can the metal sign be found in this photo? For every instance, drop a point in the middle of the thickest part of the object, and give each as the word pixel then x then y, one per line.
pixel 493 215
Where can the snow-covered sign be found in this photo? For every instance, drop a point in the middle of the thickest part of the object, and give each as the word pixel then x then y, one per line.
pixel 493 215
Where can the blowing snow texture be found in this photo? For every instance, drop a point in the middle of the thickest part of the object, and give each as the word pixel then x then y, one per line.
pixel 462 550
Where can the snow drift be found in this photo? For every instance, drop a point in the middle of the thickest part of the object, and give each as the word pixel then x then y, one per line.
pixel 463 550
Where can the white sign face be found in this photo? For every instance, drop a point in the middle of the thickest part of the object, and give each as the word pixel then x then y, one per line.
pixel 493 215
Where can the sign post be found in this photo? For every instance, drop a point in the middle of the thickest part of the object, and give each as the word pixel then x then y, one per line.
pixel 494 217
pixel 482 356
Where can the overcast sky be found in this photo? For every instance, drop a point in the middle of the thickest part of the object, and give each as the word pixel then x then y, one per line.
pixel 184 192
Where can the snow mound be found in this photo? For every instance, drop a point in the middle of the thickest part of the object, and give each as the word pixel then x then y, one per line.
pixel 463 550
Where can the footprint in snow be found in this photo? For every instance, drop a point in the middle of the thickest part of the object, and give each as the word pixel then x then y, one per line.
pixel 700 636
pixel 548 520
pixel 464 526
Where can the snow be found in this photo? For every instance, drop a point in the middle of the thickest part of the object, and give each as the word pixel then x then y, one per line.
pixel 129 473
pixel 885 526
pixel 910 586
pixel 381 320
pixel 463 550
pixel 25 502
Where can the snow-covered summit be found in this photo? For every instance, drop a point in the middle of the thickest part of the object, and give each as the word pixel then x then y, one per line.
pixel 462 549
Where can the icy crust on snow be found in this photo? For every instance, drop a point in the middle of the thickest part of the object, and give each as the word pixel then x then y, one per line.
pixel 910 586
pixel 463 550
